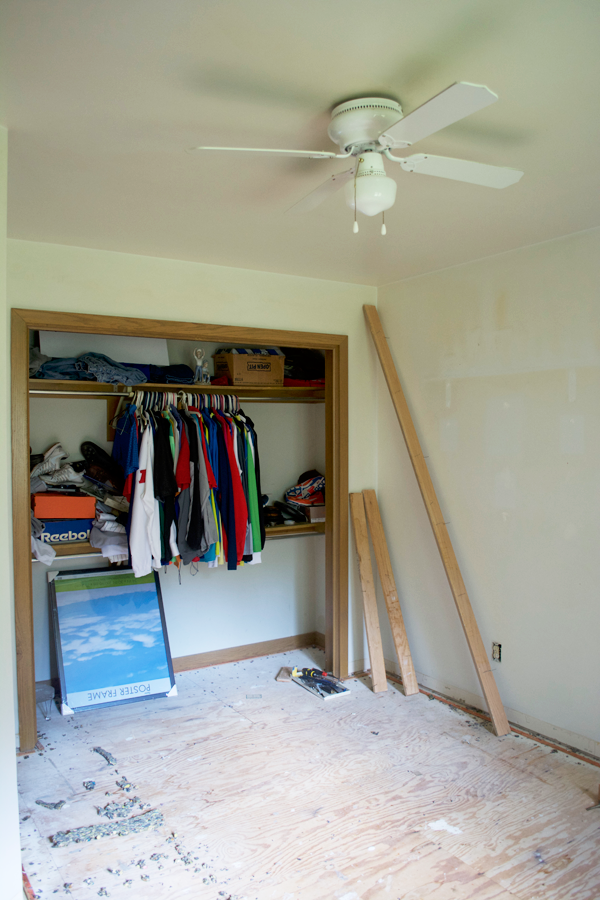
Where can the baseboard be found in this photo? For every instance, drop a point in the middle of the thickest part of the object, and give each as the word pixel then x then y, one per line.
pixel 545 730
pixel 247 651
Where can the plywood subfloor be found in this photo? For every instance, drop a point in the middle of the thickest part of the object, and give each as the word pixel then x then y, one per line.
pixel 271 794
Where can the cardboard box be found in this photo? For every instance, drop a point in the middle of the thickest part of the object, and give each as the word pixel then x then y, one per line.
pixel 66 531
pixel 63 506
pixel 315 513
pixel 243 369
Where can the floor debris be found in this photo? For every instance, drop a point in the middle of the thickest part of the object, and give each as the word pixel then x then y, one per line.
pixel 136 824
pixel 89 785
pixel 118 809
pixel 107 756
pixel 125 785
pixel 58 805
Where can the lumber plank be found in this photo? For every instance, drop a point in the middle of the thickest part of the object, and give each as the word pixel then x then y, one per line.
pixel 388 584
pixel 442 538
pixel 361 537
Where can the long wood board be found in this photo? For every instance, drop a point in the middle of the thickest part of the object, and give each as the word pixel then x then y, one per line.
pixel 361 537
pixel 442 538
pixel 388 584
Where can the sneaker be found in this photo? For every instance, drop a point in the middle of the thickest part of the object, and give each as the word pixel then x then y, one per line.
pixel 64 475
pixel 51 461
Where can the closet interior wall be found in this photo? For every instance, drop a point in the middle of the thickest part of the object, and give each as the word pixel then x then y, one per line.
pixel 300 588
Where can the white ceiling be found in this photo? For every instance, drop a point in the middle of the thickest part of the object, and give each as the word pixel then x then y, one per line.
pixel 102 97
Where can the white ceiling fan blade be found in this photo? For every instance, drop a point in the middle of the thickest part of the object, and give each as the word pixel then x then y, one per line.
pixel 461 170
pixel 457 101
pixel 310 154
pixel 320 193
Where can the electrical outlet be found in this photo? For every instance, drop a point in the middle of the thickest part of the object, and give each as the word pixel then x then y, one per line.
pixel 496 651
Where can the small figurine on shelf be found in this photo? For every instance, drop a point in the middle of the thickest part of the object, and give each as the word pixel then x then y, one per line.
pixel 201 375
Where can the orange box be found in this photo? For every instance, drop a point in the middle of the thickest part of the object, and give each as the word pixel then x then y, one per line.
pixel 62 506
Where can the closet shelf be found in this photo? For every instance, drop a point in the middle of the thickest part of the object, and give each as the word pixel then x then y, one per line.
pixel 84 548
pixel 258 393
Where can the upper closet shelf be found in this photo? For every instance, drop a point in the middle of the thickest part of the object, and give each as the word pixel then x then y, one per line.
pixel 257 393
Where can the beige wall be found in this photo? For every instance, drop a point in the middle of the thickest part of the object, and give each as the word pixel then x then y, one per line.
pixel 500 363
pixel 10 865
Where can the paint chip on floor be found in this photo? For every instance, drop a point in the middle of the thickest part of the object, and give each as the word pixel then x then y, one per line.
pixel 442 825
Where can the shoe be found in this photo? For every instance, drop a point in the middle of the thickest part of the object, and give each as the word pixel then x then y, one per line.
pixel 35 459
pixel 98 475
pixel 51 461
pixel 64 475
pixel 101 477
pixel 95 455
pixel 291 512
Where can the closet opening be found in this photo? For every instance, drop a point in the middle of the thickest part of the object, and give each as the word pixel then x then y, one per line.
pixel 297 596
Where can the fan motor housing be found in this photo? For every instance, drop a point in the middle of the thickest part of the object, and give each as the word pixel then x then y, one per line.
pixel 361 121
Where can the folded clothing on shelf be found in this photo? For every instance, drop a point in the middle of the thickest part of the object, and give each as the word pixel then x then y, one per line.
pixel 253 351
pixel 91 367
pixel 98 367
pixel 110 537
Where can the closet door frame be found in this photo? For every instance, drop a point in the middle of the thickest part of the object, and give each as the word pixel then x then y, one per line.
pixel 335 347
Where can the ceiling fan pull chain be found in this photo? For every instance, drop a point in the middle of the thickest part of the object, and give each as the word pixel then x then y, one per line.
pixel 355 226
pixel 383 228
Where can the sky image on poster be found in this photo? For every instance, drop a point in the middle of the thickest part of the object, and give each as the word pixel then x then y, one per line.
pixel 112 640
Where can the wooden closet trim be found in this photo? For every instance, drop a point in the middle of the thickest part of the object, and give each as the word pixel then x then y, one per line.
pixel 336 418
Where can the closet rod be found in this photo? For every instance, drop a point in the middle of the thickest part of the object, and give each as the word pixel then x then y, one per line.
pixel 86 395
pixel 83 394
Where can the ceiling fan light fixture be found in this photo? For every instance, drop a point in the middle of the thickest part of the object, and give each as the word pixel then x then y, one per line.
pixel 373 190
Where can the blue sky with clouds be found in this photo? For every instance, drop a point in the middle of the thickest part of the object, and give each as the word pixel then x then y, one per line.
pixel 111 636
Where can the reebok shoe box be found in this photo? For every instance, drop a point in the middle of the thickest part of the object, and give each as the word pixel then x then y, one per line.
pixel 66 531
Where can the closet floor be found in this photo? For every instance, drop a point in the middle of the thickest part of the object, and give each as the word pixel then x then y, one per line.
pixel 268 793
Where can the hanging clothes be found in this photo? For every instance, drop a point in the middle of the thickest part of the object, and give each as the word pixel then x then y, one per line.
pixel 193 478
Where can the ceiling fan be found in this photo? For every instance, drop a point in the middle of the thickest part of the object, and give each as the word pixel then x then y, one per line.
pixel 368 128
